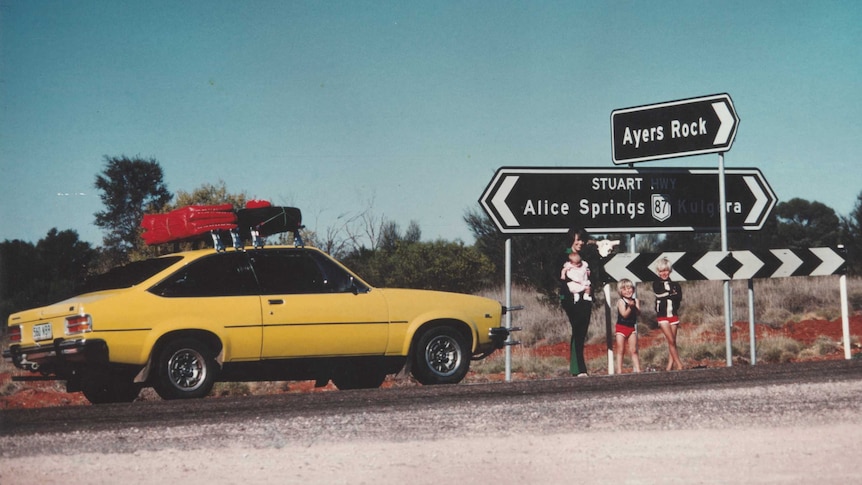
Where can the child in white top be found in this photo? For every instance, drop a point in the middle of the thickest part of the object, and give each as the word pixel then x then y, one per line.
pixel 576 274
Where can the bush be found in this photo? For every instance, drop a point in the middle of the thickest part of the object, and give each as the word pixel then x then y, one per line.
pixel 523 361
pixel 439 265
pixel 778 349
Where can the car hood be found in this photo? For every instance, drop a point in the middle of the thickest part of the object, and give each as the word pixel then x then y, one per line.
pixel 413 301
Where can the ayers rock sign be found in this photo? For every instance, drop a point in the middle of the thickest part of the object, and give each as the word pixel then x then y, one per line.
pixel 681 128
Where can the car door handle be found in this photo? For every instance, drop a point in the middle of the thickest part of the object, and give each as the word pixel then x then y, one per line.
pixel 276 302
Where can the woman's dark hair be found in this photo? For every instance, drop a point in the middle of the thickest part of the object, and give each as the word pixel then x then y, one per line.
pixel 582 234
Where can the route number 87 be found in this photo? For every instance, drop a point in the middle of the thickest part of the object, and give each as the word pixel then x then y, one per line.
pixel 660 207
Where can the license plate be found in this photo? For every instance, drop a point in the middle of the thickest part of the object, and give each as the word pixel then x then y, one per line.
pixel 42 332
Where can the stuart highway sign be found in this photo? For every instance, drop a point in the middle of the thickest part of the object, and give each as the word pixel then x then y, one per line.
pixel 530 200
pixel 674 129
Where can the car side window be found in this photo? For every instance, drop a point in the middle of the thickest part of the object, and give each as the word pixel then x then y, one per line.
pixel 287 272
pixel 222 274
pixel 336 279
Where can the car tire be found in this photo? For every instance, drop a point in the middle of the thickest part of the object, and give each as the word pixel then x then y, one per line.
pixel 441 356
pixel 186 369
pixel 358 374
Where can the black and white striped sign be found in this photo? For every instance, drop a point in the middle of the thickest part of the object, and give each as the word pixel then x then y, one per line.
pixel 730 265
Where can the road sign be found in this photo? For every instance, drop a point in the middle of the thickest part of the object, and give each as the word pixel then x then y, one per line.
pixel 529 200
pixel 731 265
pixel 674 129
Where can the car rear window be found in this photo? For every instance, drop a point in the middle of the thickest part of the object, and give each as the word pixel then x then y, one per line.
pixel 128 275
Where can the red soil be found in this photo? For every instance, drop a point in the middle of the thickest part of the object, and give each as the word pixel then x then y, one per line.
pixel 46 394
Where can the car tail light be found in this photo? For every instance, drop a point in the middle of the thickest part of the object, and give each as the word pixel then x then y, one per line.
pixel 79 324
pixel 14 333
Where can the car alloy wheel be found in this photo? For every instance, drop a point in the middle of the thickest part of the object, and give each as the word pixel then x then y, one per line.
pixel 444 355
pixel 441 356
pixel 186 369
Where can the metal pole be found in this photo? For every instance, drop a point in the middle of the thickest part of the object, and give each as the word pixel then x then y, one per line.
pixel 752 338
pixel 845 319
pixel 509 305
pixel 609 333
pixel 722 201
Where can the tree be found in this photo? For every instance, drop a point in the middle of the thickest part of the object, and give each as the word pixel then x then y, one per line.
pixel 390 235
pixel 129 189
pixel 438 265
pixel 536 260
pixel 18 290
pixel 804 224
pixel 402 260
pixel 796 223
pixel 690 241
pixel 36 275
pixel 207 194
pixel 851 237
pixel 64 263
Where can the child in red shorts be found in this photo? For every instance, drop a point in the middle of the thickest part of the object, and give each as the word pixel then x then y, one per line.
pixel 628 309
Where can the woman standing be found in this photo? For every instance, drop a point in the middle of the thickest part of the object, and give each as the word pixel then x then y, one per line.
pixel 579 312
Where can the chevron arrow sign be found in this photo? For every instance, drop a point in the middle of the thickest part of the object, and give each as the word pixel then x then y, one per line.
pixel 731 265
pixel 531 200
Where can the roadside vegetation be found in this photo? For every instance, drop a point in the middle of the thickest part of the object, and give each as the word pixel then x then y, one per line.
pixel 778 303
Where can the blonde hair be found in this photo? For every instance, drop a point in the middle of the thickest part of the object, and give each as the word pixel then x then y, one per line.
pixel 623 284
pixel 663 264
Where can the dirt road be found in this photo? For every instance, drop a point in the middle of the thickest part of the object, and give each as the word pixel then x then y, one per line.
pixel 793 423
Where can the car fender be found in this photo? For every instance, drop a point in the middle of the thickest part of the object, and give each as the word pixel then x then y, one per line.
pixel 427 320
pixel 155 340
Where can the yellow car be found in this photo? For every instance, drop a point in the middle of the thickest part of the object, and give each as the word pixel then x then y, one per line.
pixel 181 322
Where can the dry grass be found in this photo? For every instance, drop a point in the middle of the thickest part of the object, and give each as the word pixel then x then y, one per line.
pixel 776 302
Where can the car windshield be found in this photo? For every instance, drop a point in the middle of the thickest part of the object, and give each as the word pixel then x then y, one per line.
pixel 128 275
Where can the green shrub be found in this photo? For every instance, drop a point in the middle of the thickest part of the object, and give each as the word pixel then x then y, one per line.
pixel 778 349
pixel 704 350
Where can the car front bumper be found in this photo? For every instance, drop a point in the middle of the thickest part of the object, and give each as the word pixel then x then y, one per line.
pixel 498 336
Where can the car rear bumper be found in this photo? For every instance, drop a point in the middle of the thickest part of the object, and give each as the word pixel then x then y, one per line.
pixel 57 354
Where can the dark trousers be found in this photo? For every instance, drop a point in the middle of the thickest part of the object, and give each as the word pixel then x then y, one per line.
pixel 579 318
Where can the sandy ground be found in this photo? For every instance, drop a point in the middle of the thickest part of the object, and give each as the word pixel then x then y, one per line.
pixel 808 454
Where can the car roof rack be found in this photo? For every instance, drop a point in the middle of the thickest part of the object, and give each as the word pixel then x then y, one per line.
pixel 254 223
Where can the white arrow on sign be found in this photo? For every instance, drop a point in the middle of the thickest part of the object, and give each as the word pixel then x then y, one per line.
pixel 831 261
pixel 618 266
pixel 499 200
pixel 751 264
pixel 761 199
pixel 727 122
pixel 789 262
pixel 708 265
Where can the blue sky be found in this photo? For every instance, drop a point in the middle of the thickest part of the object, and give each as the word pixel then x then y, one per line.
pixel 405 107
